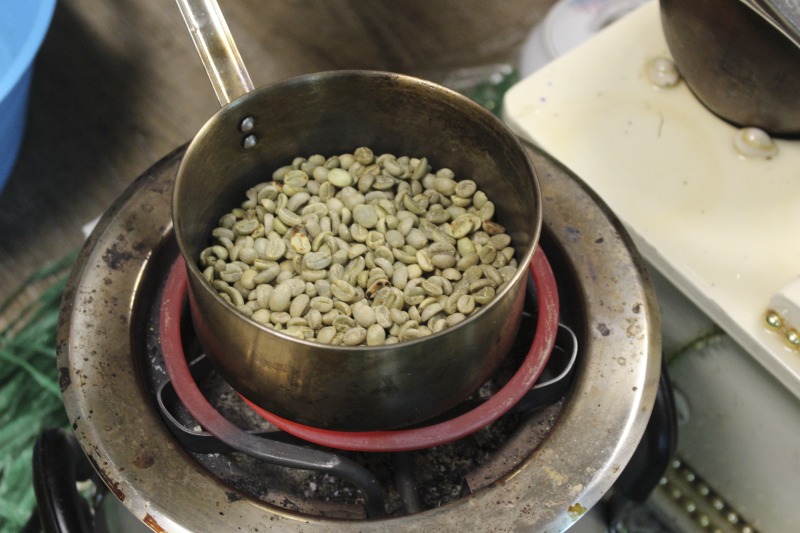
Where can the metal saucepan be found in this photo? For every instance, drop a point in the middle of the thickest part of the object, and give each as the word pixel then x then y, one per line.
pixel 257 131
pixel 740 58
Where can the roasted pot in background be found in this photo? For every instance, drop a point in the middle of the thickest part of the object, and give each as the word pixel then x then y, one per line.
pixel 736 62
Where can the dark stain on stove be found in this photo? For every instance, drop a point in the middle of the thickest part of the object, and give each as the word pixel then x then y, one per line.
pixel 112 485
pixel 572 234
pixel 67 296
pixel 115 257
pixel 599 240
pixel 634 329
pixel 144 460
pixel 604 330
pixel 233 497
pixel 637 308
pixel 63 378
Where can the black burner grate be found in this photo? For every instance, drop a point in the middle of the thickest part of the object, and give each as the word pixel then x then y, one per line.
pixel 269 464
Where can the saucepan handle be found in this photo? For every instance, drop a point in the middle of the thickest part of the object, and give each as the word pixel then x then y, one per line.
pixel 217 49
pixel 58 464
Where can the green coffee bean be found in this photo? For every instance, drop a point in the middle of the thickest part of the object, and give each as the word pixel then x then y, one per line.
pixel 247 279
pixel 507 272
pixel 280 298
pixel 455 318
pixel 342 290
pixel 414 271
pixel 365 215
pixel 299 305
pixel 312 275
pixel 246 226
pixel 208 274
pixel 400 276
pixel 262 316
pixel 234 295
pixel 500 241
pixel 465 304
pixel 376 335
pixel 484 295
pixel 340 177
pixel 398 316
pixel 245 309
pixel 317 260
pixel 431 288
pixel 354 336
pixel 280 318
pixel 403 256
pixel 383 316
pixel 430 311
pixel 486 212
pixel 405 225
pixel 325 335
pixel 424 260
pixel 413 295
pixel 461 227
pixel 364 315
pixel 487 254
pixel 343 323
pixel 479 199
pixel 414 333
pixel 274 249
pixel 232 273
pixel 385 265
pixel 493 228
pixel 375 240
pixel 493 274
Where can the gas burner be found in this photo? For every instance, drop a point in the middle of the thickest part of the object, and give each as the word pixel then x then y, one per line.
pixel 402 494
pixel 536 471
pixel 424 435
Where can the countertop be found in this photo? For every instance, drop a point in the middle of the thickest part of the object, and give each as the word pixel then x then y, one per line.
pixel 118 85
pixel 713 222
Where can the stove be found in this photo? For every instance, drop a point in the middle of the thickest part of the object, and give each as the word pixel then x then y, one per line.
pixel 539 466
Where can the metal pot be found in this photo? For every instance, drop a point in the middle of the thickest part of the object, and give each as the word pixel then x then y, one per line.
pixel 349 388
pixel 739 58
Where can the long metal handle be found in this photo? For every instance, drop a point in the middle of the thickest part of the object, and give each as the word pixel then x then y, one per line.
pixel 784 15
pixel 217 50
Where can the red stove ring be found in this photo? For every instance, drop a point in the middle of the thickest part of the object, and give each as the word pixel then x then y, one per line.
pixel 391 440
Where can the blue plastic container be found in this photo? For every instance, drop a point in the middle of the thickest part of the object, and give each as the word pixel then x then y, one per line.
pixel 23 25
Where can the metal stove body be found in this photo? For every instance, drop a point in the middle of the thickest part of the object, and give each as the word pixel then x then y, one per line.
pixel 104 360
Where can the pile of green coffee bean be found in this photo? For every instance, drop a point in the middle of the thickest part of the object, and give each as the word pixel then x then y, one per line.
pixel 360 249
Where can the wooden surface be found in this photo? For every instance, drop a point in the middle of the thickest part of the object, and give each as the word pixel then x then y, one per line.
pixel 118 85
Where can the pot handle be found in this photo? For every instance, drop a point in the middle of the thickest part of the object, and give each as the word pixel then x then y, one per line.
pixel 216 48
pixel 783 16
pixel 58 464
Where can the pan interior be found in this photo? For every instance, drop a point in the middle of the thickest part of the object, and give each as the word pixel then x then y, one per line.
pixel 334 113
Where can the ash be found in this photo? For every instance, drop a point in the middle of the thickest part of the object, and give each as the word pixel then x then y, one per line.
pixel 439 475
